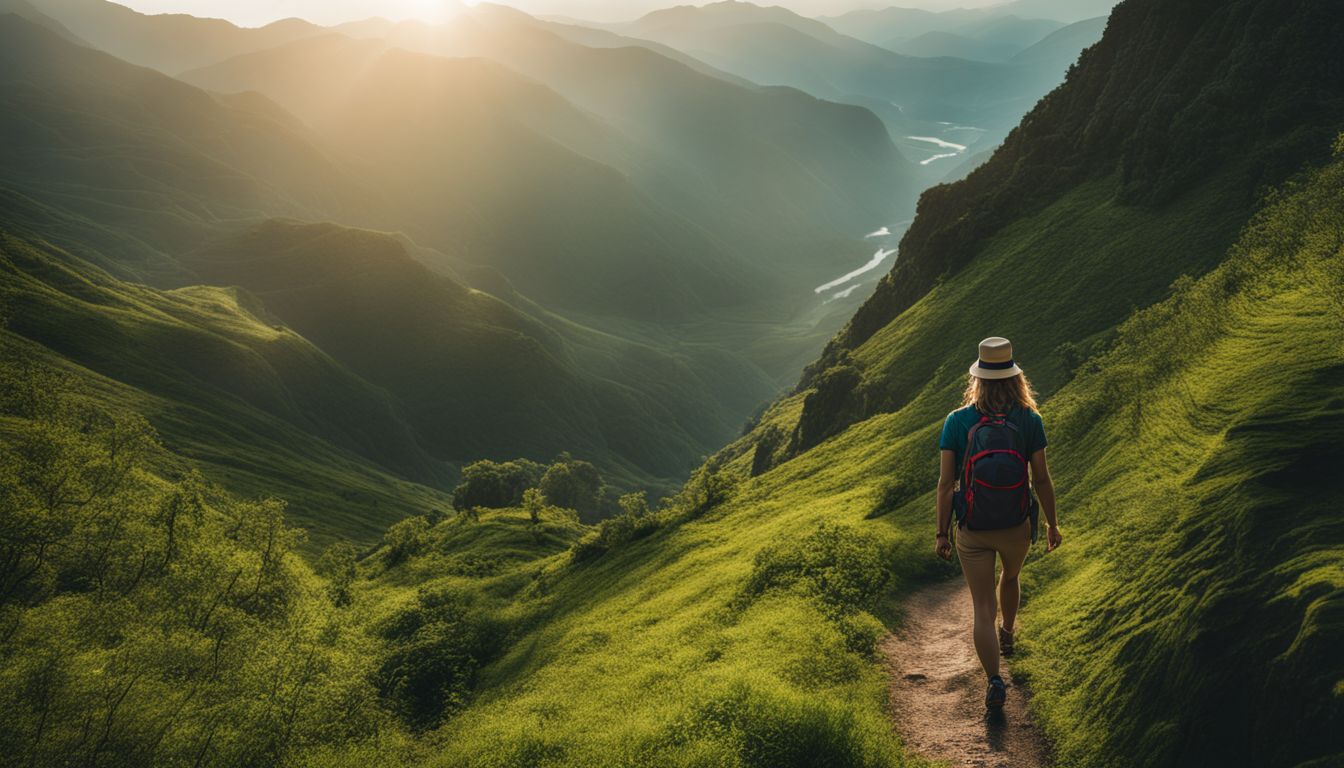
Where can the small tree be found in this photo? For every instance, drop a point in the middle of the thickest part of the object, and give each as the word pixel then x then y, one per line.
pixel 496 485
pixel 573 484
pixel 533 503
pixel 337 565
pixel 405 538
pixel 634 504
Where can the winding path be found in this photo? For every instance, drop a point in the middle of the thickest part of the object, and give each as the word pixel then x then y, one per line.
pixel 937 689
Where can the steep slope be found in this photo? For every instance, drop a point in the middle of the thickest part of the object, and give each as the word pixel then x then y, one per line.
pixel 153 158
pixel 1145 125
pixel 228 388
pixel 169 43
pixel 1203 593
pixel 1213 638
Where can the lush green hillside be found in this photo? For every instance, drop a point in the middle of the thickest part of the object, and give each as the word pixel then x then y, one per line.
pixel 1130 148
pixel 226 386
pixel 175 616
pixel 185 168
pixel 476 377
pixel 1205 592
pixel 1197 598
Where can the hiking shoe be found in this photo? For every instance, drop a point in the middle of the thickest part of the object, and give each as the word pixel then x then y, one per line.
pixel 1005 643
pixel 997 694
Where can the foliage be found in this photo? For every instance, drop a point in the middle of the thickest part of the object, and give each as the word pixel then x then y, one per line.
pixel 573 484
pixel 768 444
pixel 435 647
pixel 839 564
pixel 149 620
pixel 337 566
pixel 404 539
pixel 496 485
pixel 534 504
pixel 835 401
pixel 633 523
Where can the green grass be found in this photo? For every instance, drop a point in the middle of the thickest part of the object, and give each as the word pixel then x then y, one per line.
pixel 1187 619
pixel 265 411
pixel 1194 616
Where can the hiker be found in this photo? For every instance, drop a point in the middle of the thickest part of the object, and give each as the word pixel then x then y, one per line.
pixel 987 447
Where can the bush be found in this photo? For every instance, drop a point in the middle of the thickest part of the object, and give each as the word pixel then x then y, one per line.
pixel 496 485
pixel 632 524
pixel 768 728
pixel 573 484
pixel 435 648
pixel 337 565
pixel 404 539
pixel 835 402
pixel 836 563
pixel 766 446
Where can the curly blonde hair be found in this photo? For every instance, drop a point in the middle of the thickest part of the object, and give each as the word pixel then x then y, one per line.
pixel 999 395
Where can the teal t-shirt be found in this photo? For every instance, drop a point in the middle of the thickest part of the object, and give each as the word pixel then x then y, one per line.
pixel 960 421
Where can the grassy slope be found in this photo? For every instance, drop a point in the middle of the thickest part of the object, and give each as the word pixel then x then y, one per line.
pixel 1204 594
pixel 652 654
pixel 261 407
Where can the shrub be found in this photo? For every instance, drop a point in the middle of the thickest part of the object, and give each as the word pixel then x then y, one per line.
pixel 337 565
pixel 766 446
pixel 834 403
pixel 573 484
pixel 838 564
pixel 435 647
pixel 633 524
pixel 404 539
pixel 496 485
pixel 768 728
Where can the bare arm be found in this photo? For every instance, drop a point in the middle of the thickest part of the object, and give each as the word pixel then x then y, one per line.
pixel 947 480
pixel 1045 491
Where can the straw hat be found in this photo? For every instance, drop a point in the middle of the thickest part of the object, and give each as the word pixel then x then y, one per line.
pixel 996 360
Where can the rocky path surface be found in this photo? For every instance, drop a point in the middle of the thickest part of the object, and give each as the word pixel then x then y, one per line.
pixel 937 689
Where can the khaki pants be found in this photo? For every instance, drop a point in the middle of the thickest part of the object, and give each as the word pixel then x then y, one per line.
pixel 977 549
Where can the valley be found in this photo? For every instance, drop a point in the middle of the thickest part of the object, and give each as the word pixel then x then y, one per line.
pixel 554 384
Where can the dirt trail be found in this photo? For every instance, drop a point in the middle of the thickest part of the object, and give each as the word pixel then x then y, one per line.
pixel 937 689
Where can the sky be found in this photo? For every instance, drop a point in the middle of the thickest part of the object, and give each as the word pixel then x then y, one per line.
pixel 258 12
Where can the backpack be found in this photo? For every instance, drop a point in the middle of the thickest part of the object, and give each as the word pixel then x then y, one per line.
pixel 994 488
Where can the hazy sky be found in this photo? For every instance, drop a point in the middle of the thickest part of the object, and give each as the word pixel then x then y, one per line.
pixel 257 12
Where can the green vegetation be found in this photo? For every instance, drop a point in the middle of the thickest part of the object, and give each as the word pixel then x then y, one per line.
pixel 1204 594
pixel 150 619
pixel 1183 325
pixel 476 376
pixel 264 409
